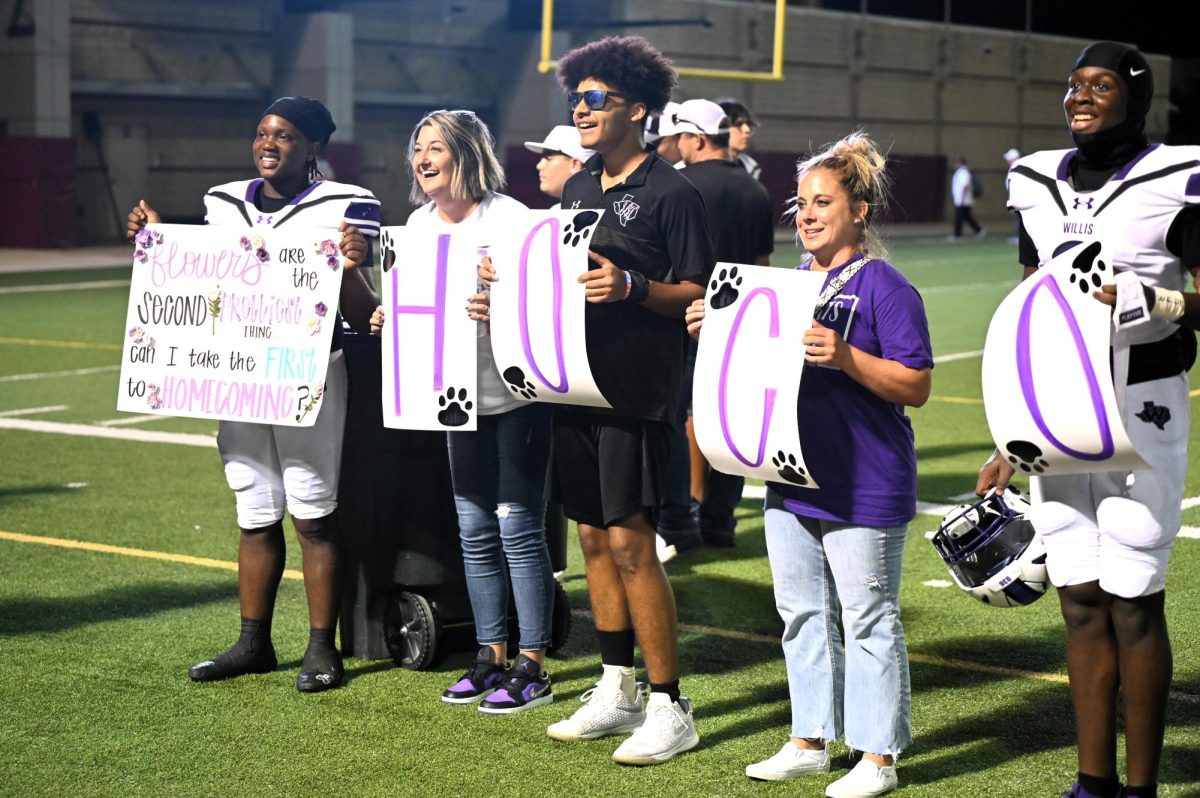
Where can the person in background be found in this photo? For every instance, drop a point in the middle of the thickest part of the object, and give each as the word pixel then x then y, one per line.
pixel 962 191
pixel 742 125
pixel 661 137
pixel 740 224
pixel 836 553
pixel 1010 157
pixel 498 472
pixel 271 467
pixel 1109 535
pixel 561 156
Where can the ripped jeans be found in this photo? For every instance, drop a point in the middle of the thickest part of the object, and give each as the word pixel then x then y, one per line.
pixel 860 686
pixel 499 476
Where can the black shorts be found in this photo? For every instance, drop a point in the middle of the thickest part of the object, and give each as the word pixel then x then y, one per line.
pixel 609 467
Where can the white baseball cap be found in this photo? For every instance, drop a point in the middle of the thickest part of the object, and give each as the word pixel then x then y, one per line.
pixel 1012 154
pixel 661 125
pixel 704 117
pixel 564 139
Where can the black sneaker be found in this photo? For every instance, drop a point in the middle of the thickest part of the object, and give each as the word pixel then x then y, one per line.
pixel 525 686
pixel 721 539
pixel 683 540
pixel 478 682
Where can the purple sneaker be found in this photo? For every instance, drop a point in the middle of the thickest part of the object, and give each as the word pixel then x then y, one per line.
pixel 525 686
pixel 478 682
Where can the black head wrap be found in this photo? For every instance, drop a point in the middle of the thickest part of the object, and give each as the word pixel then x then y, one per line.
pixel 308 115
pixel 1114 146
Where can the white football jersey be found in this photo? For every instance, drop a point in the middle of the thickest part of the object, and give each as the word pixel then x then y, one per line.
pixel 324 204
pixel 1131 213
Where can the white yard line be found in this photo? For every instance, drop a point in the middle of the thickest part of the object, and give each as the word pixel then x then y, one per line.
pixel 43 288
pixel 939 289
pixel 48 375
pixel 89 431
pixel 957 356
pixel 33 411
pixel 125 421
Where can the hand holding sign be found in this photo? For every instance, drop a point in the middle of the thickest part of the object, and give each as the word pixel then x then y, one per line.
pixel 748 370
pixel 1047 382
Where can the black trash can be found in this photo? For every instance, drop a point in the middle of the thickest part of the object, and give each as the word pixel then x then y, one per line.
pixel 405 594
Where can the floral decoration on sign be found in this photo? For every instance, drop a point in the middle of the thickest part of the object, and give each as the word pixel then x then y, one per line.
pixel 314 395
pixel 143 242
pixel 329 251
pixel 214 305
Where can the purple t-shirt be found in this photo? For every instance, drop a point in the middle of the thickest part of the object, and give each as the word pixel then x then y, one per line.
pixel 857 446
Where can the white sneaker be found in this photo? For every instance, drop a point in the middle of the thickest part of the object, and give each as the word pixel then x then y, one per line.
pixel 865 780
pixel 666 552
pixel 791 762
pixel 606 710
pixel 668 730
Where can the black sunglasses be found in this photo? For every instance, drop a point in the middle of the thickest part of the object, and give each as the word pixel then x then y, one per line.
pixel 595 99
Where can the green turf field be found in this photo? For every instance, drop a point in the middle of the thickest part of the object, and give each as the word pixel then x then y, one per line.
pixel 94 646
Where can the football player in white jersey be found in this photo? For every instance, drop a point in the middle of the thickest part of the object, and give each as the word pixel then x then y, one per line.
pixel 1108 535
pixel 268 467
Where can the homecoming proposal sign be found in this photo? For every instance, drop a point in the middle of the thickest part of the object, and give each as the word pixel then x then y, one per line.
pixel 748 369
pixel 230 324
pixel 1047 383
pixel 429 354
pixel 537 308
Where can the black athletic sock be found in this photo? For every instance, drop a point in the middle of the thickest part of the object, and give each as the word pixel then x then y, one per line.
pixel 616 648
pixel 1099 786
pixel 252 653
pixel 1147 791
pixel 321 657
pixel 670 688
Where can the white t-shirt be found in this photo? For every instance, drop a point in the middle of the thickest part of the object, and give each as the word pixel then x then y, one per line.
pixel 960 187
pixel 490 217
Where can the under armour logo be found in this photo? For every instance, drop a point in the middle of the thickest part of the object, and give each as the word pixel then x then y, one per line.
pixel 264 219
pixel 1084 202
pixel 1154 414
pixel 626 209
pixel 575 205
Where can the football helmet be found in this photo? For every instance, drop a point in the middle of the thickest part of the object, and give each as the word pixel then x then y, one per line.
pixel 993 551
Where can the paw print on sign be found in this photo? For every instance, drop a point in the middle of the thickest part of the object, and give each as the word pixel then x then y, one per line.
pixel 725 284
pixel 455 406
pixel 790 469
pixel 515 378
pixel 1088 268
pixel 388 250
pixel 1026 456
pixel 579 228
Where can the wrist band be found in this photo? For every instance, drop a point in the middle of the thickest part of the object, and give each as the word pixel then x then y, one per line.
pixel 1168 304
pixel 628 285
pixel 639 287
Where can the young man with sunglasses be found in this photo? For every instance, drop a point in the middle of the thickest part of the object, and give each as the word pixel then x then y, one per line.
pixel 650 255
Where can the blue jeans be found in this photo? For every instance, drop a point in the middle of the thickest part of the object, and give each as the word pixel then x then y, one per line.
pixel 499 477
pixel 865 682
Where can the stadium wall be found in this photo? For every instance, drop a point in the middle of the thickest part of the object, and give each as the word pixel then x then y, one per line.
pixel 174 87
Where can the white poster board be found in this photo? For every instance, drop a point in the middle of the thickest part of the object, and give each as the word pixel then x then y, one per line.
pixel 537 308
pixel 748 370
pixel 1047 383
pixel 429 354
pixel 230 324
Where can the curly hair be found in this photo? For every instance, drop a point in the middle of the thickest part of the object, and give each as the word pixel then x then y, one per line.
pixel 626 63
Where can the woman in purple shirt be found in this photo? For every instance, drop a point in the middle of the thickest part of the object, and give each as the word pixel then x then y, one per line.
pixel 869 356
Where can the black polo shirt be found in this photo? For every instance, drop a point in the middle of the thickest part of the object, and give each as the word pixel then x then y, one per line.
pixel 655 224
pixel 740 220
